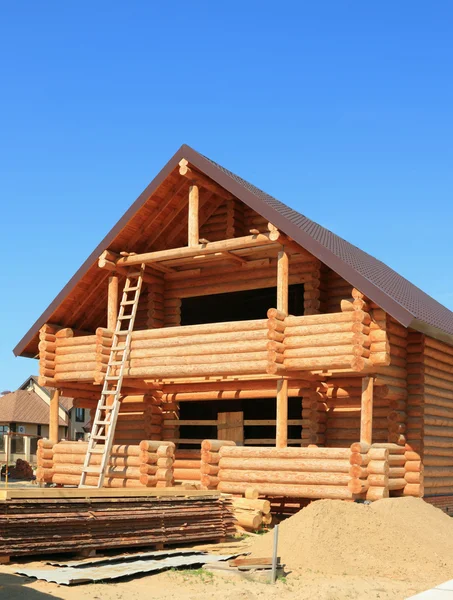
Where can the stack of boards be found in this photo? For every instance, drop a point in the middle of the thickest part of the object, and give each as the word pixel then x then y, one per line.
pixel 78 520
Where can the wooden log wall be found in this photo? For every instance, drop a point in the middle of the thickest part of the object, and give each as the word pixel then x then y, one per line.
pixel 370 470
pixel 240 347
pixel 254 274
pixel 331 413
pixel 437 449
pixel 394 375
pixel 47 349
pixel 147 464
pixel 187 466
pixel 336 290
pixel 327 342
pixel 415 410
pixel 290 472
pixel 141 416
pixel 228 221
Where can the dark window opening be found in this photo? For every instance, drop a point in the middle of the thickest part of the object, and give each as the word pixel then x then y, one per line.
pixel 238 306
pixel 80 415
pixel 253 409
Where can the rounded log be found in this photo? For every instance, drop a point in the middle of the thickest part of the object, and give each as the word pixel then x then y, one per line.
pixel 262 505
pixel 253 477
pixel 289 491
pixel 215 445
pixel 377 493
pixel 357 486
pixel 262 452
pixel 284 464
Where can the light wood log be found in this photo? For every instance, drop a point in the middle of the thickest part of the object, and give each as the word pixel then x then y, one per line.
pixel 193 232
pixel 289 491
pixel 283 453
pixel 112 302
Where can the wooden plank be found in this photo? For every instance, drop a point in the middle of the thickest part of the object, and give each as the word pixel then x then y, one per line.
pixel 41 493
pixel 231 426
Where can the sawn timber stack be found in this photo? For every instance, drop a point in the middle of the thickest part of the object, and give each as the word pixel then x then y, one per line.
pixel 37 523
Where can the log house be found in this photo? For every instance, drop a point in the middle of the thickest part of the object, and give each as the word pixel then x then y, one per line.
pixel 330 374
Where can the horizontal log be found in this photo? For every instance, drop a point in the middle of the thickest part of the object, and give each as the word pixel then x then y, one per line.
pixel 289 491
pixel 285 464
pixel 283 453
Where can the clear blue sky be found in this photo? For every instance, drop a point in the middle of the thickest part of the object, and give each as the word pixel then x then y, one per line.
pixel 341 109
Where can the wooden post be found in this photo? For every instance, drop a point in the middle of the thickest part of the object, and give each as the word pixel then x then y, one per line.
pixel 54 416
pixel 282 282
pixel 281 435
pixel 366 412
pixel 194 234
pixel 112 303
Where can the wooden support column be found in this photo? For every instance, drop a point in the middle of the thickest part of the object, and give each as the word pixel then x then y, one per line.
pixel 281 435
pixel 54 416
pixel 366 410
pixel 282 281
pixel 112 303
pixel 194 233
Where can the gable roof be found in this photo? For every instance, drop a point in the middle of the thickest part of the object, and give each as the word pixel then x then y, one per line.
pixel 396 295
pixel 24 406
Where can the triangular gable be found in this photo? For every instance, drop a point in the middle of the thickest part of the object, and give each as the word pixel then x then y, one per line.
pixel 405 302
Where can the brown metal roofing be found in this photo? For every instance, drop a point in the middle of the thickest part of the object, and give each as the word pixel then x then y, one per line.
pixel 404 301
pixel 25 406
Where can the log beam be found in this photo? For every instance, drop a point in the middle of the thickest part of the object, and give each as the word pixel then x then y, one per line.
pixel 282 282
pixel 54 416
pixel 366 412
pixel 248 241
pixel 193 233
pixel 281 435
pixel 202 180
pixel 112 302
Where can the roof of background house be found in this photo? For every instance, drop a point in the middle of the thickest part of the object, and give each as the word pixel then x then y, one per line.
pixel 25 406
pixel 65 402
pixel 396 295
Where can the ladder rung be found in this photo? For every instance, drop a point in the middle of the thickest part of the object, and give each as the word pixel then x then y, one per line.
pixel 118 349
pixel 102 422
pixel 127 302
pixel 115 363
pixel 99 437
pixel 97 451
pixel 125 318
pixel 134 274
pixel 96 470
pixel 131 289
pixel 112 378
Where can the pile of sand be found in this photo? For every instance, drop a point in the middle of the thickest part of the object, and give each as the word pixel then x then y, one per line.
pixel 397 537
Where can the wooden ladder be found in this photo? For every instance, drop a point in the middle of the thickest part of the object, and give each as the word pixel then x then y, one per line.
pixel 104 423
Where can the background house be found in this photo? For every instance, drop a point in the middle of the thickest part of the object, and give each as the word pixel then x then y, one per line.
pixel 26 411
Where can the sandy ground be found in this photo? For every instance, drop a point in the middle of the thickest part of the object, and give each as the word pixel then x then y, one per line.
pixel 194 585
pixel 198 585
